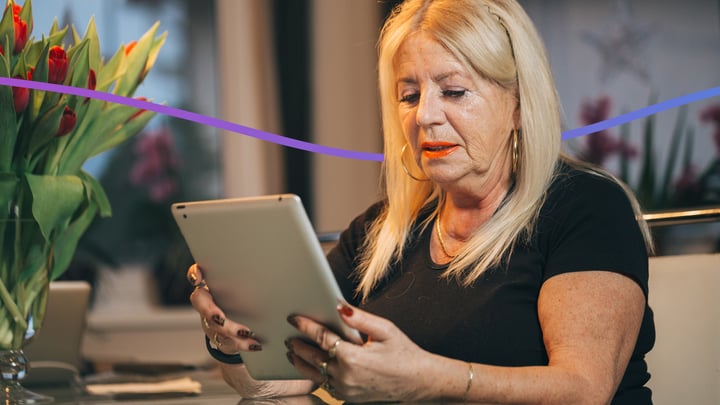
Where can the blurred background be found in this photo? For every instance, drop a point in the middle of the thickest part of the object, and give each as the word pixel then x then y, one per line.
pixel 306 69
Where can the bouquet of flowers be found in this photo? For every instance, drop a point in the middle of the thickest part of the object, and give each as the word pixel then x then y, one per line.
pixel 46 200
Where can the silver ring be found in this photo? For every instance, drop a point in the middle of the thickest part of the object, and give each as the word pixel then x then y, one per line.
pixel 333 349
pixel 200 285
pixel 323 369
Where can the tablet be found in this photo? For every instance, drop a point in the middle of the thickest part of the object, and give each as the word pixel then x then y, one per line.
pixel 262 261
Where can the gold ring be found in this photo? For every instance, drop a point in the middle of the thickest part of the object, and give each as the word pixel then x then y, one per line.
pixel 323 369
pixel 327 387
pixel 216 341
pixel 205 323
pixel 333 349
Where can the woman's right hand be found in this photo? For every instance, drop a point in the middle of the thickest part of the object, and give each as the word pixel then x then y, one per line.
pixel 224 335
pixel 233 338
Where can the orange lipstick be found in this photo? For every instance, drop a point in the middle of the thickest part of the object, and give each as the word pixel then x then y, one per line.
pixel 436 150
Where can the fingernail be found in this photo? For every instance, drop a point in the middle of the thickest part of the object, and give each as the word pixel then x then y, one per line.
pixel 255 348
pixel 288 344
pixel 292 321
pixel 244 333
pixel 345 310
pixel 290 358
pixel 218 320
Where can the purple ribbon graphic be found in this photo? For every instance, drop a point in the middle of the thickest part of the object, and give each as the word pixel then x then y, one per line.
pixel 327 150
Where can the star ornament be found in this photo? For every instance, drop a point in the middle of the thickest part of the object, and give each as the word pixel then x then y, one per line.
pixel 621 44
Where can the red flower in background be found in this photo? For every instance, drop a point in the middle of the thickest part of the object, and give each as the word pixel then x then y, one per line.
pixel 156 165
pixel 601 145
pixel 57 65
pixel 67 122
pixel 712 115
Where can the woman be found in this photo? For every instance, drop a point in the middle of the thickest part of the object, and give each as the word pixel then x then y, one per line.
pixel 497 269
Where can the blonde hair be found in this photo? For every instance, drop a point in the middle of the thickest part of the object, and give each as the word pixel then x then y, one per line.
pixel 496 39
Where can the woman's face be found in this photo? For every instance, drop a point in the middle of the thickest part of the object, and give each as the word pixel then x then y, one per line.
pixel 457 123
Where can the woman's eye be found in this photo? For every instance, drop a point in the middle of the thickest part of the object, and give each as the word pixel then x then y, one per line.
pixel 410 98
pixel 454 93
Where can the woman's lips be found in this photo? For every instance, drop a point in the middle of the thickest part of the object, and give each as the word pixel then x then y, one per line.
pixel 435 150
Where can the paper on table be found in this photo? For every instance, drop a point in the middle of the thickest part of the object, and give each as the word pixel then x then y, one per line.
pixel 178 385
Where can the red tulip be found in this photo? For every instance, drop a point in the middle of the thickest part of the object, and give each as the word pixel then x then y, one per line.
pixel 21 34
pixel 92 80
pixel 67 122
pixel 2 51
pixel 21 95
pixel 16 9
pixel 57 65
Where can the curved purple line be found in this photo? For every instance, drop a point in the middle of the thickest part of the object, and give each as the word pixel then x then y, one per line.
pixel 310 147
pixel 641 113
pixel 194 117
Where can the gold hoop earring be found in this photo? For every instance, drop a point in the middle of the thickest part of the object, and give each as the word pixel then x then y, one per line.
pixel 515 151
pixel 405 169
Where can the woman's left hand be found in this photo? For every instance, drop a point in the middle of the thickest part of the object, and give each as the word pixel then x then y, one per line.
pixel 388 367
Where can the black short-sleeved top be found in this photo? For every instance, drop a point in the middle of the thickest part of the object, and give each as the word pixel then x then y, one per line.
pixel 585 223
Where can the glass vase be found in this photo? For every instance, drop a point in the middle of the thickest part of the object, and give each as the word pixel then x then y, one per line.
pixel 25 264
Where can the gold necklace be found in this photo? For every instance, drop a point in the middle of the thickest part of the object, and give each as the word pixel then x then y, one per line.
pixel 440 238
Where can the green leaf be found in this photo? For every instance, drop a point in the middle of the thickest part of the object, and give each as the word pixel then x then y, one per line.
pixel 55 200
pixel 7 30
pixel 113 70
pixel 136 63
pixel 8 188
pixel 45 130
pixel 96 193
pixel 673 151
pixel 125 132
pixel 67 241
pixel 8 131
pixel 26 15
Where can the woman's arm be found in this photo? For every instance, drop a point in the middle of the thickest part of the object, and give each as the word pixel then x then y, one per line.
pixel 590 322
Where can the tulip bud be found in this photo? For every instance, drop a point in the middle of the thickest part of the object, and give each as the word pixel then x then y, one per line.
pixel 57 65
pixel 92 82
pixel 67 122
pixel 129 47
pixel 21 34
pixel 21 96
pixel 2 51
pixel 136 114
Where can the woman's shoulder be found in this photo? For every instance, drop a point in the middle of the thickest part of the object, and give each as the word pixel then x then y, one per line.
pixel 577 184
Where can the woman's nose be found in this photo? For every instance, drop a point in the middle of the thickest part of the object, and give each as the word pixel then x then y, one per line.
pixel 429 111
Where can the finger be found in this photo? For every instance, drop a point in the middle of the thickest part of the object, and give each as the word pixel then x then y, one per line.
pixel 317 332
pixel 373 326
pixel 314 367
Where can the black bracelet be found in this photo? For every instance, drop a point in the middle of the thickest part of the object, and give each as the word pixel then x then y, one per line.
pixel 222 357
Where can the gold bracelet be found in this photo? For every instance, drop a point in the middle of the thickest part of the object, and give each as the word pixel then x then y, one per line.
pixel 471 376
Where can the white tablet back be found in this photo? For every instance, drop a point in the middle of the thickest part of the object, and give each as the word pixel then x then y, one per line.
pixel 263 262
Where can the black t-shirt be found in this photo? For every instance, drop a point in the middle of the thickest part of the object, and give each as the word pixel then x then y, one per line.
pixel 586 223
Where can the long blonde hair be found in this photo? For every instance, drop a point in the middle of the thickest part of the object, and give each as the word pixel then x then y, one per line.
pixel 496 39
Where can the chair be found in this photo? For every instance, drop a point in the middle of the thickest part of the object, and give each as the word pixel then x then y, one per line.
pixel 685 362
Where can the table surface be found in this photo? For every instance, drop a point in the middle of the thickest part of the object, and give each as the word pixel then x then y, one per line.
pixel 214 390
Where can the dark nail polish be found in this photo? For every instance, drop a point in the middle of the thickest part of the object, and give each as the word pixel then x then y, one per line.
pixel 255 348
pixel 288 344
pixel 292 321
pixel 290 358
pixel 244 333
pixel 218 320
pixel 345 310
